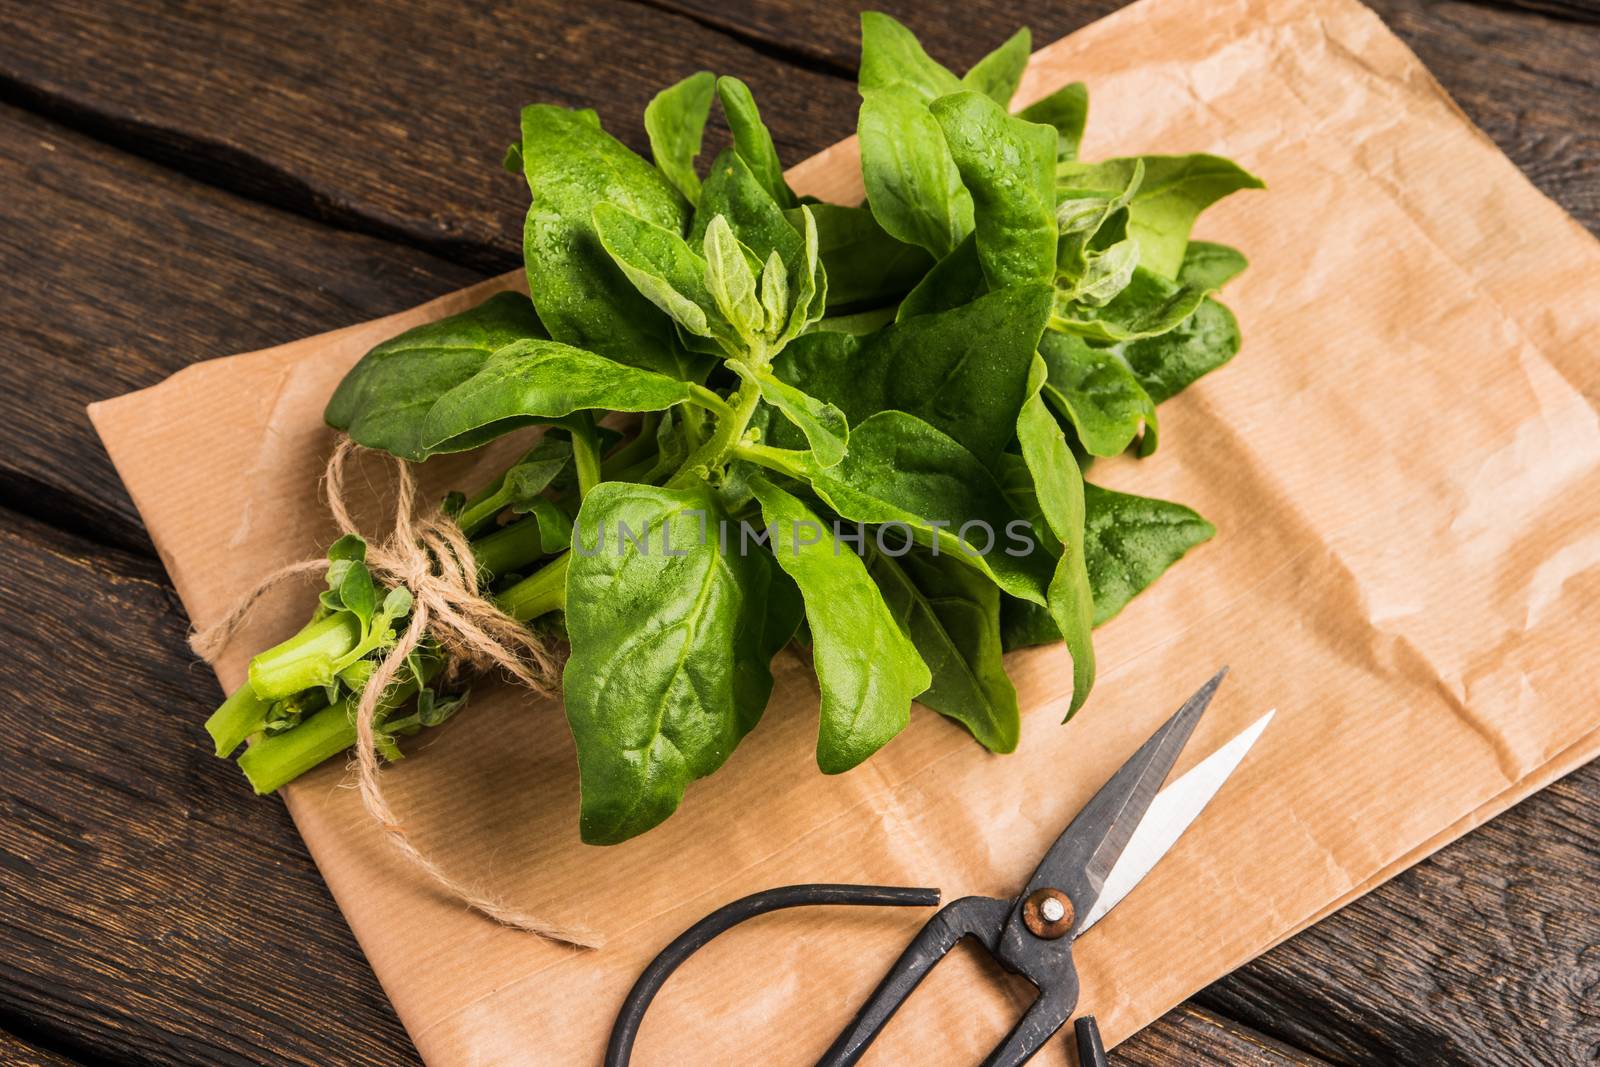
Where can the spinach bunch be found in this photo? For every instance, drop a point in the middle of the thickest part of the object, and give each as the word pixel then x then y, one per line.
pixel 768 420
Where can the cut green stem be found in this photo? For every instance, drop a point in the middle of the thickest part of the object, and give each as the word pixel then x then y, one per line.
pixel 239 716
pixel 305 660
pixel 538 594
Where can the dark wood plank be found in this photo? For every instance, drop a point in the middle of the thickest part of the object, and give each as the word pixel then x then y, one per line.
pixel 119 272
pixel 151 909
pixel 390 118
pixel 1488 953
pixel 18 1052
pixel 1191 1036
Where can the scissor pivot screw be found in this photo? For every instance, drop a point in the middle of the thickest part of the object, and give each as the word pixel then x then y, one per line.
pixel 1047 913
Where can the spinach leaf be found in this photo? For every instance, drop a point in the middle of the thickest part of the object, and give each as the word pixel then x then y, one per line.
pixel 669 665
pixel 1058 486
pixel 663 267
pixel 901 471
pixel 583 298
pixel 1101 397
pixel 675 122
pixel 1149 305
pixel 537 381
pixel 1210 265
pixel 962 371
pixel 1007 165
pixel 865 266
pixel 752 141
pixel 1065 110
pixel 952 614
pixel 1129 541
pixel 955 280
pixel 892 56
pixel 733 191
pixel 824 426
pixel 868 670
pixel 1174 191
pixel 1170 362
pixel 382 402
pixel 913 186
pixel 998 74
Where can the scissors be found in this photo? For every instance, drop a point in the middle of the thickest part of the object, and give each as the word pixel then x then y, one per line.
pixel 1107 850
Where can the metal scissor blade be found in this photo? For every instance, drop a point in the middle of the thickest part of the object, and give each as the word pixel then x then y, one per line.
pixel 1082 857
pixel 1170 814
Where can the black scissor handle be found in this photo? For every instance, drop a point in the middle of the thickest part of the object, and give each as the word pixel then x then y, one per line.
pixel 623 1032
pixel 979 917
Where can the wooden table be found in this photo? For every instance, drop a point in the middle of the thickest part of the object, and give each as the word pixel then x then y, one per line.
pixel 181 180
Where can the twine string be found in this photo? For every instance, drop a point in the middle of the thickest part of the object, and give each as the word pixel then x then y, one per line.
pixel 431 557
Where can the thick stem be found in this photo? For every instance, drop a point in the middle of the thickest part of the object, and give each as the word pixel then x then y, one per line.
pixel 306 659
pixel 721 443
pixel 785 461
pixel 541 592
pixel 239 716
pixel 586 453
pixel 509 549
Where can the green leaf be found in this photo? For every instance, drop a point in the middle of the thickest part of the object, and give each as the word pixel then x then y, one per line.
pixel 1058 486
pixel 1093 389
pixel 998 74
pixel 752 141
pixel 1064 111
pixel 913 186
pixel 865 265
pixel 555 528
pixel 350 547
pixel 1008 166
pixel 955 280
pixel 892 56
pixel 963 371
pixel 868 670
pixel 952 614
pixel 358 593
pixel 669 665
pixel 584 299
pixel 537 381
pixel 1210 265
pixel 1170 362
pixel 1129 541
pixel 663 267
pixel 811 302
pixel 902 471
pixel 1148 306
pixel 732 283
pixel 382 401
pixel 823 425
pixel 675 122
pixel 775 294
pixel 1174 191
pixel 733 192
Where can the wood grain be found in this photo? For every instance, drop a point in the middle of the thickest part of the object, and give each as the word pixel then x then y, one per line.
pixel 18 1052
pixel 1488 953
pixel 119 272
pixel 1194 1037
pixel 152 910
pixel 391 119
